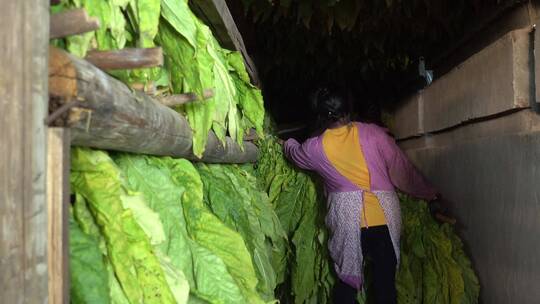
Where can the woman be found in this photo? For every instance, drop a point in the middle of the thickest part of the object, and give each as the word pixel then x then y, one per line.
pixel 361 166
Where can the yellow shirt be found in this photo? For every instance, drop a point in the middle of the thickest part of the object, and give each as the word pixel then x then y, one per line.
pixel 344 151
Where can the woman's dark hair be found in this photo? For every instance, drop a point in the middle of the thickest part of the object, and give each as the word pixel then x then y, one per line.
pixel 330 104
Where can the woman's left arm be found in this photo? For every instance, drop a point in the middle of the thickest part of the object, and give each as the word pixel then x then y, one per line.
pixel 299 154
pixel 403 174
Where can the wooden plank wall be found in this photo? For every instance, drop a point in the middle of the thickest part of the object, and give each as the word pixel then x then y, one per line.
pixel 24 27
pixel 58 164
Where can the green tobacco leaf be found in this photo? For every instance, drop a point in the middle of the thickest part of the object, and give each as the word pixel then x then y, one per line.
pixel 89 280
pixel 86 221
pixel 206 229
pixel 433 266
pixel 249 97
pixel 232 195
pixel 294 198
pixel 224 93
pixel 346 12
pixel 144 16
pixel 191 66
pixel 177 14
pixel 96 178
pixel 148 16
pixel 169 186
pixel 470 280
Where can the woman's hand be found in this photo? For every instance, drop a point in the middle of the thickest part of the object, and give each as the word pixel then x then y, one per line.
pixel 438 208
pixel 435 206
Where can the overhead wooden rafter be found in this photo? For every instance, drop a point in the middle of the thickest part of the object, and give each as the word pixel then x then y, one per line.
pixel 217 16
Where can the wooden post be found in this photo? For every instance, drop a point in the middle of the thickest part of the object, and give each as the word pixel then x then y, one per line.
pixel 24 32
pixel 58 163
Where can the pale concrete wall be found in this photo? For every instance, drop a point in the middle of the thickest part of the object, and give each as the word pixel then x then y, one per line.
pixel 491 82
pixel 484 156
pixel 493 184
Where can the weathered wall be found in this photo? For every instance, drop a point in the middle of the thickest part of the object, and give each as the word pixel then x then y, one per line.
pixel 481 148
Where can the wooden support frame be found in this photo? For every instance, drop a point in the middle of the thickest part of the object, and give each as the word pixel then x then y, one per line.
pixel 24 31
pixel 58 193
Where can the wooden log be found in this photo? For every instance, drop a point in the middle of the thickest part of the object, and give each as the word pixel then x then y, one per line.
pixel 24 28
pixel 72 22
pixel 251 135
pixel 58 163
pixel 217 16
pixel 128 58
pixel 115 117
pixel 180 99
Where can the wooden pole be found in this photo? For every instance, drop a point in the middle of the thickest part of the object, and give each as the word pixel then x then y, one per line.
pixel 128 58
pixel 24 32
pixel 109 115
pixel 180 99
pixel 58 164
pixel 72 22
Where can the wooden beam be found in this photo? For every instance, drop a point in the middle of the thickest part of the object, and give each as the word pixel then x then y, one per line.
pixel 180 99
pixel 24 31
pixel 58 158
pixel 217 16
pixel 111 116
pixel 128 58
pixel 72 22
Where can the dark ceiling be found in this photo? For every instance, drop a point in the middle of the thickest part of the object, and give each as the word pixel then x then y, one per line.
pixel 370 46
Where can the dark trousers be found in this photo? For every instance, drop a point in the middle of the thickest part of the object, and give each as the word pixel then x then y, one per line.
pixel 380 257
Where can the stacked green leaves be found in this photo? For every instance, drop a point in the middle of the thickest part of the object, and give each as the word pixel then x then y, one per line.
pixel 305 271
pixel 194 62
pixel 434 267
pixel 142 234
pixel 154 229
pixel 232 194
pixel 126 267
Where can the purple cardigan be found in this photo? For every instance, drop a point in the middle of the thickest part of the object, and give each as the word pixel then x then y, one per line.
pixel 388 166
